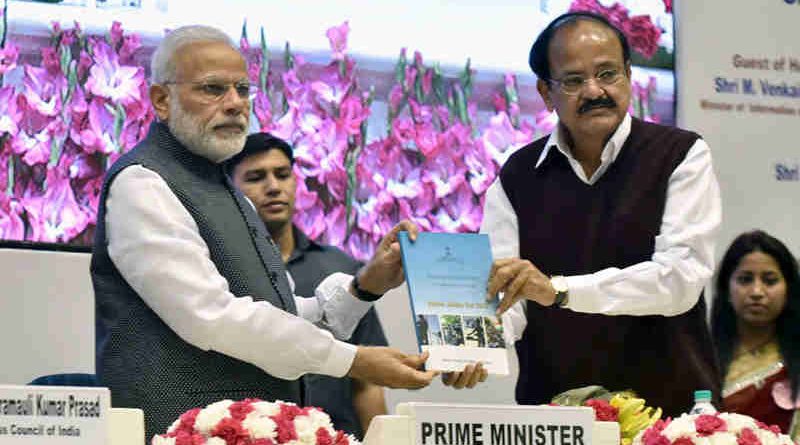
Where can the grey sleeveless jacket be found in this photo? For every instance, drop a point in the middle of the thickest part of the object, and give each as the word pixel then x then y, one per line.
pixel 146 364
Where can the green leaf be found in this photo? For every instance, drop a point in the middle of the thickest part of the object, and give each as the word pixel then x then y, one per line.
pixel 400 68
pixel 438 84
pixel 244 29
pixel 288 58
pixel 577 396
pixel 10 185
pixel 263 73
pixel 119 124
pixel 466 79
pixel 511 92
pixel 66 57
pixel 55 152
pixel 4 26
pixel 461 104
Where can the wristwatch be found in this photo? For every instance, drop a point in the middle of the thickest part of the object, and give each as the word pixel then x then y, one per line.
pixel 559 283
pixel 362 294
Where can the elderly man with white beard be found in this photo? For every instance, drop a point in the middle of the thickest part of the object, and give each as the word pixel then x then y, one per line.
pixel 193 304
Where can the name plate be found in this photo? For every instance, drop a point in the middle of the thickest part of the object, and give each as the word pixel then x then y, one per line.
pixel 54 415
pixel 454 424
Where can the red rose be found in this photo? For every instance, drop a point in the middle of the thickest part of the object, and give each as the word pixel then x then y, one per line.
pixel 661 424
pixel 668 6
pixel 341 438
pixel 653 437
pixel 230 430
pixel 603 411
pixel 324 437
pixel 683 440
pixel 707 424
pixel 187 420
pixel 774 428
pixel 285 429
pixel 642 35
pixel 747 437
pixel 240 410
pixel 184 438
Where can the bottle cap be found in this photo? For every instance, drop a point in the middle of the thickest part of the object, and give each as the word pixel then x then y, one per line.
pixel 702 395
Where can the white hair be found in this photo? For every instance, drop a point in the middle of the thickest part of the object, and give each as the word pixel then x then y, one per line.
pixel 162 65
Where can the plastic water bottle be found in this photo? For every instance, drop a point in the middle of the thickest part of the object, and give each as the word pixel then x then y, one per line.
pixel 702 403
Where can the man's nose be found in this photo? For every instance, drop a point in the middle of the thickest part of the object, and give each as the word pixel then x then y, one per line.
pixel 592 89
pixel 234 103
pixel 271 184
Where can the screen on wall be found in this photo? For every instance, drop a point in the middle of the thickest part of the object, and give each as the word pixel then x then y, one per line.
pixel 394 109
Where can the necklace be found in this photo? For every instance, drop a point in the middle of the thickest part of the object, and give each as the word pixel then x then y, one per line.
pixel 754 351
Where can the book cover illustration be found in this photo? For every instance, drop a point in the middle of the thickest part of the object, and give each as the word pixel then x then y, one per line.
pixel 447 275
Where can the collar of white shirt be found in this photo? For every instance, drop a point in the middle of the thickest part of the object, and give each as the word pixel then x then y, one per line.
pixel 607 157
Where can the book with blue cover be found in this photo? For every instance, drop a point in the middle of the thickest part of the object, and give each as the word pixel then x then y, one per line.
pixel 447 276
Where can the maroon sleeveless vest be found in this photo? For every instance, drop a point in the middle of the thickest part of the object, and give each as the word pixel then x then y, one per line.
pixel 567 227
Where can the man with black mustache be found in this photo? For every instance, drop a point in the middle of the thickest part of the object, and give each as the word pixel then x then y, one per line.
pixel 604 234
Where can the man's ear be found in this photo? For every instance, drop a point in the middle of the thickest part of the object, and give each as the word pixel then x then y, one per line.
pixel 544 90
pixel 628 69
pixel 159 97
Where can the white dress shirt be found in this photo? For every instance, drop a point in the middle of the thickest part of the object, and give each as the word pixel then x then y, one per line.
pixel 155 244
pixel 669 283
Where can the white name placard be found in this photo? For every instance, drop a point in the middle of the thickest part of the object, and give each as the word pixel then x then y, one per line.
pixel 454 424
pixel 46 415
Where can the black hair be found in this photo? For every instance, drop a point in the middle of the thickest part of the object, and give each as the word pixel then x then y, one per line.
pixel 258 143
pixel 539 60
pixel 787 325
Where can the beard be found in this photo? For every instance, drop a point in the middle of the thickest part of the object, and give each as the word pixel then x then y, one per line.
pixel 200 139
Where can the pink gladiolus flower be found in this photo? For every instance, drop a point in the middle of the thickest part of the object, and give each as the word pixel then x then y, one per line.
pixel 51 61
pixel 337 36
pixel 329 93
pixel 351 114
pixel 130 44
pixel 262 108
pixel 395 98
pixel 9 112
pixel 55 215
pixel 116 33
pixel 12 227
pixel 411 77
pixel 35 148
pixel 427 82
pixel 499 137
pixel 445 173
pixel 336 225
pixel 244 45
pixel 304 198
pixel 499 102
pixel 361 245
pixel 8 58
pixel 464 208
pixel 481 169
pixel 109 79
pixel 42 90
pixel 421 113
pixel 427 139
pixel 403 130
pixel 81 166
pixel 642 34
pixel 98 137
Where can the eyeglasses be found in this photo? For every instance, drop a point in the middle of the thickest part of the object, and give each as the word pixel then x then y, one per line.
pixel 572 84
pixel 214 91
